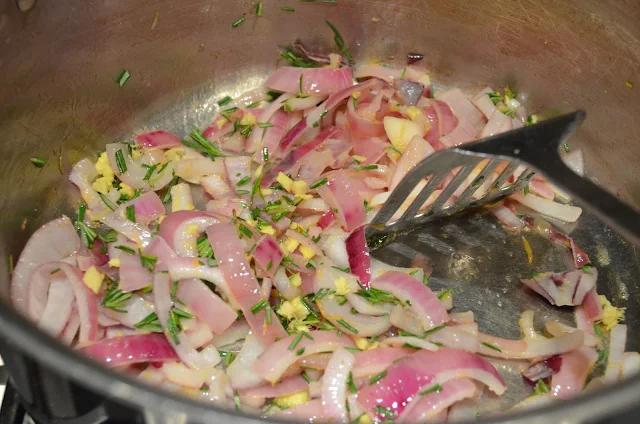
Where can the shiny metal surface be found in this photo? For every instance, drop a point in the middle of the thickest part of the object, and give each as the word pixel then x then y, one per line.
pixel 59 63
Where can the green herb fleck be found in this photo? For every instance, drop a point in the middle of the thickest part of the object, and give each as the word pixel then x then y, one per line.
pixel 492 346
pixel 238 22
pixel 378 377
pixel 124 77
pixel 434 388
pixel 37 162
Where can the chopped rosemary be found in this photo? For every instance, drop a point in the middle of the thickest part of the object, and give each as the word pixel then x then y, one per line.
pixel 243 181
pixel 339 40
pixel 55 271
pixel 300 351
pixel 259 9
pixel 319 183
pixel 258 306
pixel 228 357
pixel 540 388
pixel 348 326
pixel 351 384
pixel 366 167
pixel 264 125
pixel 108 202
pixel 125 249
pixel 148 262
pixel 491 346
pixel 130 212
pixel 295 341
pixel 287 9
pixel 378 377
pixel 385 412
pixel 305 376
pixel 203 145
pixel 120 162
pixel 237 22
pixel 225 100
pixel 267 314
pixel 167 196
pixel 434 388
pixel 150 323
pixel 114 299
pixel 433 330
pixel 124 77
pixel 37 162
pixel 346 270
pixel 376 296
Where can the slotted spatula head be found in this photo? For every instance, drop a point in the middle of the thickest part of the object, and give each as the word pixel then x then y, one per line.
pixel 470 176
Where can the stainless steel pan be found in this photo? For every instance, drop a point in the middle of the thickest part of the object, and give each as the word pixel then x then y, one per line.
pixel 59 62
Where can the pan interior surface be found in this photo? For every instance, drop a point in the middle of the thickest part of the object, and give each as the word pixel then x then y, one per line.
pixel 63 104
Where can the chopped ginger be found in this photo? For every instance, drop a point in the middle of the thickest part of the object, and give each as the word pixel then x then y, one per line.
pixel 307 252
pixel 93 279
pixel 611 315
pixel 342 286
pixel 295 280
pixel 293 309
pixel 114 263
pixel 290 401
pixel 285 182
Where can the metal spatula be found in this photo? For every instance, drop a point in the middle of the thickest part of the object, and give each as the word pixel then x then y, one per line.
pixel 535 147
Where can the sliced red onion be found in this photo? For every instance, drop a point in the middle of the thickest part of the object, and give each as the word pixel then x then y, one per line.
pixel 181 230
pixel 334 385
pixel 82 176
pixel 340 194
pixel 462 317
pixel 520 349
pixel 217 187
pixel 53 241
pixel 134 231
pixel 359 324
pixel 206 305
pixel 580 258
pixel 457 337
pixel 592 308
pixel 566 213
pixel 374 361
pixel 483 102
pixel 134 175
pixel 278 357
pixel 358 252
pixel 258 137
pixel 569 381
pixel 267 255
pixel 179 374
pixel 464 132
pixel 242 282
pixel 238 331
pixel 498 123
pixel 284 286
pixel 133 275
pixel 425 407
pixel 372 148
pixel 413 341
pixel 158 139
pixel 312 411
pixel 462 107
pixel 506 216
pixel 617 345
pixel 408 92
pixel 163 304
pixel 137 309
pixel 286 387
pixel 316 114
pixel 302 103
pixel 59 307
pixel 543 369
pixel 238 169
pixel 415 152
pixel 318 81
pixel 272 136
pixel 240 372
pixel 71 329
pixel 362 126
pixel 419 371
pixel 383 72
pixel 421 300
pixel 567 288
pixel 134 349
pixel 192 170
pixel 295 156
pixel 542 189
pixel 185 268
pixel 326 219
